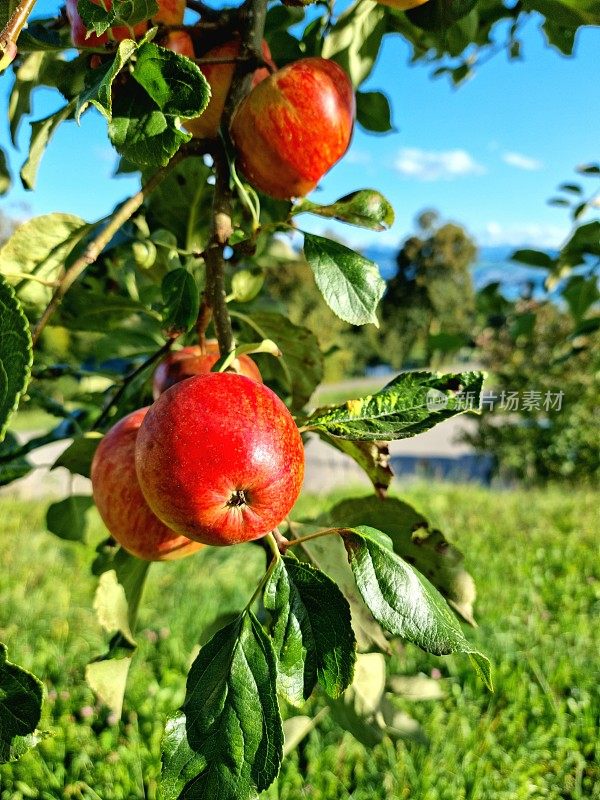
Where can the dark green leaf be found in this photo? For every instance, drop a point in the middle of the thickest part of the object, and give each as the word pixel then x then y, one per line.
pixel 15 353
pixel 99 82
pixel 42 132
pixel 300 368
pixel 585 241
pixel 589 169
pixel 102 309
pixel 67 518
pixel 36 38
pixel 574 188
pixel 533 258
pixel 410 404
pixel 175 83
pixel 77 458
pixel 181 299
pixel 11 469
pixel 373 111
pixel 5 179
pixel 227 742
pixel 122 12
pixel 350 283
pixel 403 601
pixel 373 457
pixel 367 208
pixel 312 632
pixel 20 705
pixel 414 540
pixel 141 132
pixel 581 293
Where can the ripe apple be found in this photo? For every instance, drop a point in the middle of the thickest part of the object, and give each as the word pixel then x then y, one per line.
pixel 219 76
pixel 190 361
pixel 220 459
pixel 170 12
pixel 294 126
pixel 179 42
pixel 120 501
pixel 402 5
pixel 79 31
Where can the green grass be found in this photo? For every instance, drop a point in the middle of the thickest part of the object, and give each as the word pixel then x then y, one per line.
pixel 535 559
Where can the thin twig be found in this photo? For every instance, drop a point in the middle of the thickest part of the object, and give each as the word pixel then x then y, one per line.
pixel 308 537
pixel 97 245
pixel 129 378
pixel 12 29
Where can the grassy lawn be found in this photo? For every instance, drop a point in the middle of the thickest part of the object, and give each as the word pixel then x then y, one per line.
pixel 534 556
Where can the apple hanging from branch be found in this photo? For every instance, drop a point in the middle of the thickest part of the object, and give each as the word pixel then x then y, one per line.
pixel 219 459
pixel 196 360
pixel 120 501
pixel 294 126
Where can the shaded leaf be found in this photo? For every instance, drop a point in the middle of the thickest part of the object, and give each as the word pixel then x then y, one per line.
pixel 311 630
pixel 42 132
pixel 175 83
pixel 77 458
pixel 354 40
pixel 15 353
pixel 227 741
pixel 5 179
pixel 181 300
pixel 533 258
pixel 20 705
pixel 67 518
pixel 373 112
pixel 98 89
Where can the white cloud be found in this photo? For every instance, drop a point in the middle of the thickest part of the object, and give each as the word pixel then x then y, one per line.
pixel 522 235
pixel 520 161
pixel 432 165
pixel 360 157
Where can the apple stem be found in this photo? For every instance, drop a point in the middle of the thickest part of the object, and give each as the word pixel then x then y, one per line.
pixel 308 537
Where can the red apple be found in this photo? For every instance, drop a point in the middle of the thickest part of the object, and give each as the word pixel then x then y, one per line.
pixel 120 501
pixel 190 361
pixel 170 12
pixel 220 459
pixel 294 126
pixel 219 76
pixel 179 42
pixel 79 31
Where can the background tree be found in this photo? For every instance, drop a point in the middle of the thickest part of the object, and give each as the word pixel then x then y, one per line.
pixel 429 303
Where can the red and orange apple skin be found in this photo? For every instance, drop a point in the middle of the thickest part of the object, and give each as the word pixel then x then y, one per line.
pixel 120 501
pixel 79 35
pixel 219 76
pixel 220 459
pixel 179 42
pixel 193 360
pixel 170 12
pixel 294 126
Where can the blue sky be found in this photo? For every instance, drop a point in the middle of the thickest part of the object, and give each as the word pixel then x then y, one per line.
pixel 488 154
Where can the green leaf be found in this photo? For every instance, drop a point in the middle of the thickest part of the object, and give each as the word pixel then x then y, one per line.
pixel 98 88
pixel 411 403
pixel 140 131
pixel 589 169
pixel 111 606
pixel 246 284
pixel 77 458
pixel 404 602
pixel 181 301
pixel 227 742
pixel 67 518
pixel 581 293
pixel 300 368
pixel 15 353
pixel 107 678
pixel 585 241
pixel 131 573
pixel 414 540
pixel 20 704
pixel 350 283
pixel 175 83
pixel 5 179
pixel 354 41
pixel 373 112
pixel 40 247
pixel 42 132
pixel 327 553
pixel 122 12
pixel 312 632
pixel 372 457
pixel 534 258
pixel 11 469
pixel 367 208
